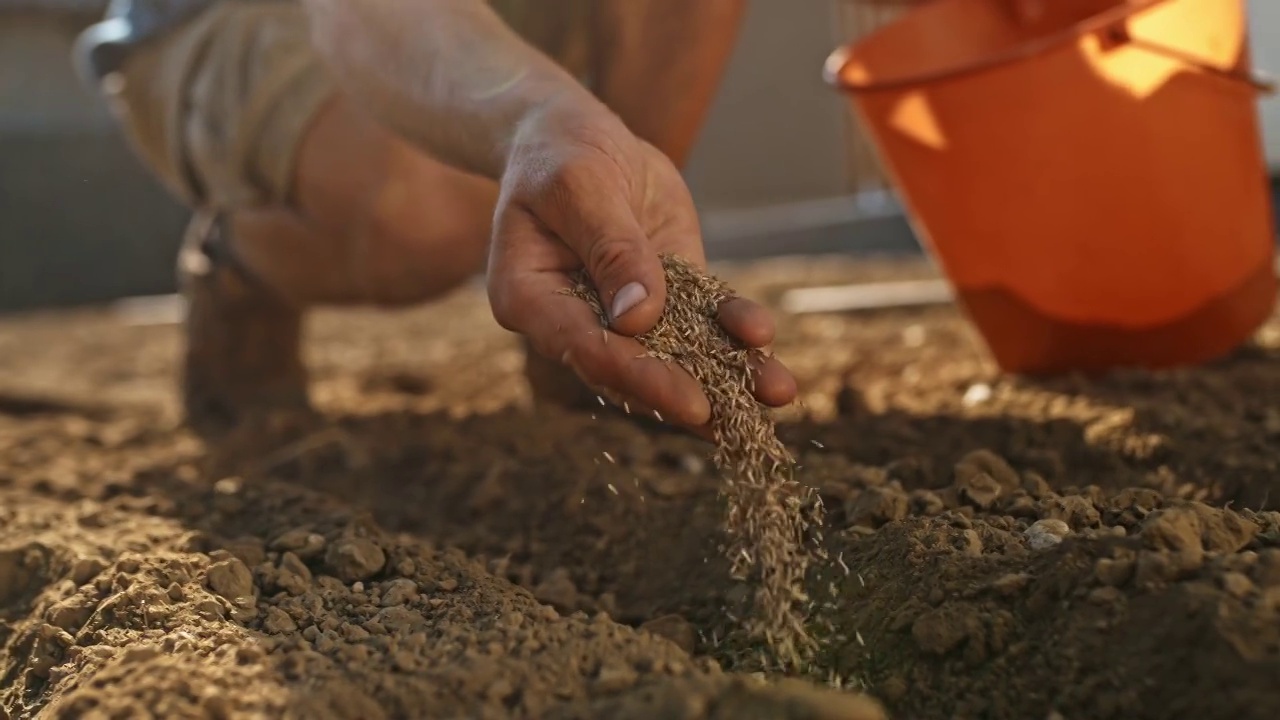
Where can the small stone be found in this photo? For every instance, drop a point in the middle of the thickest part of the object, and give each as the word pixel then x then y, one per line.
pixel 977 394
pixel 399 592
pixel 86 569
pixel 558 591
pixel 278 622
pixel 354 633
pixel 293 576
pixel 70 614
pixel 138 654
pixel 674 628
pixel 353 559
pixel 226 495
pixel 1074 510
pixel 1044 534
pixel 970 543
pixel 231 579
pixel 1237 585
pixel 210 609
pixel 448 584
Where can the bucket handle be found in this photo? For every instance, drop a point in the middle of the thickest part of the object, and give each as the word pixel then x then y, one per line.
pixel 1112 24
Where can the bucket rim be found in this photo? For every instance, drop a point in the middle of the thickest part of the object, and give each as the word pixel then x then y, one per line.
pixel 833 68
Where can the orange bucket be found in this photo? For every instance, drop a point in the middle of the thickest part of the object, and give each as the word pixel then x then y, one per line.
pixel 1089 174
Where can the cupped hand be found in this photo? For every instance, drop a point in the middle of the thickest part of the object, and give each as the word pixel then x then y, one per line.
pixel 581 191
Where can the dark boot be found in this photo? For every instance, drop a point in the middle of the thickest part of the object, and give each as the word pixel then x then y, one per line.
pixel 243 342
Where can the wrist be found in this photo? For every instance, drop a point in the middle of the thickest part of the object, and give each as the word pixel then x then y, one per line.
pixel 568 116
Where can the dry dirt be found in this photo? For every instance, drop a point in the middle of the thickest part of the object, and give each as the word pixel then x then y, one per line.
pixel 998 547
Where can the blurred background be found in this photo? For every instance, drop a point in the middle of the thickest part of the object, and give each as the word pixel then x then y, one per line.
pixel 81 222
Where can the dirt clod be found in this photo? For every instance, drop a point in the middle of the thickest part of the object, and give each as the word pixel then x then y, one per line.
pixel 354 559
pixel 120 514
pixel 231 579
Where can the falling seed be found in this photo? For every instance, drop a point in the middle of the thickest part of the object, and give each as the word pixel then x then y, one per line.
pixel 859 636
pixel 769 512
pixel 658 415
pixel 816 444
pixel 609 457
pixel 613 489
pixel 626 406
pixel 600 400
pixel 861 582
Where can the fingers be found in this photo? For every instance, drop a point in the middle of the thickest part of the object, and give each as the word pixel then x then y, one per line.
pixel 774 384
pixel 587 207
pixel 750 322
pixel 527 297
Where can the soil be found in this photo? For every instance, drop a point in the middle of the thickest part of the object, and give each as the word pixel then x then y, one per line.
pixel 996 547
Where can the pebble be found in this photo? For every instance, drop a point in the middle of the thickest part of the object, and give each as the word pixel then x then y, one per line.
pixel 231 579
pixel 558 591
pixel 674 628
pixel 86 569
pixel 399 592
pixel 1044 534
pixel 977 394
pixel 1237 585
pixel 353 559
pixel 278 622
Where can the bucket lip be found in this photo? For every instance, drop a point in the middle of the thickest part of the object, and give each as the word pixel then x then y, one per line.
pixel 832 69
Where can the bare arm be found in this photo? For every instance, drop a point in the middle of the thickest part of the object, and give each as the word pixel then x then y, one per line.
pixel 657 63
pixel 447 75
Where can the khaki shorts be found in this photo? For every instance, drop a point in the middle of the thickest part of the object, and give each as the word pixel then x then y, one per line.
pixel 218 107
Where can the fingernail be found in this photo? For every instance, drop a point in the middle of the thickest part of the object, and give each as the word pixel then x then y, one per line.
pixel 631 295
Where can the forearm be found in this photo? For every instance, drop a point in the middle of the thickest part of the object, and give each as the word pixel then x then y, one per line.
pixel 447 75
pixel 658 63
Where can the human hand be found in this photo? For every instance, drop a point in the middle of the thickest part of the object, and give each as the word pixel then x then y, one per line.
pixel 580 190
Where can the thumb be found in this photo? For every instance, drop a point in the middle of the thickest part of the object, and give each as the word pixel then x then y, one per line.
pixel 629 277
pixel 592 216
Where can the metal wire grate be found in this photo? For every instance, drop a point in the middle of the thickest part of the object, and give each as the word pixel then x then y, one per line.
pixel 853 20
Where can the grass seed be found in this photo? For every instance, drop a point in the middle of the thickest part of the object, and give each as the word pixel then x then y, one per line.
pixel 771 519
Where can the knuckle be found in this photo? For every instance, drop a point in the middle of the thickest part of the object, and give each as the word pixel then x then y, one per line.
pixel 609 257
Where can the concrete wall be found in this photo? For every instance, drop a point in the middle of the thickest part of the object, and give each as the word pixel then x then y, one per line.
pixel 80 221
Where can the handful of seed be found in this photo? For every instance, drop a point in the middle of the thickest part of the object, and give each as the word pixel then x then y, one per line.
pixel 770 516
